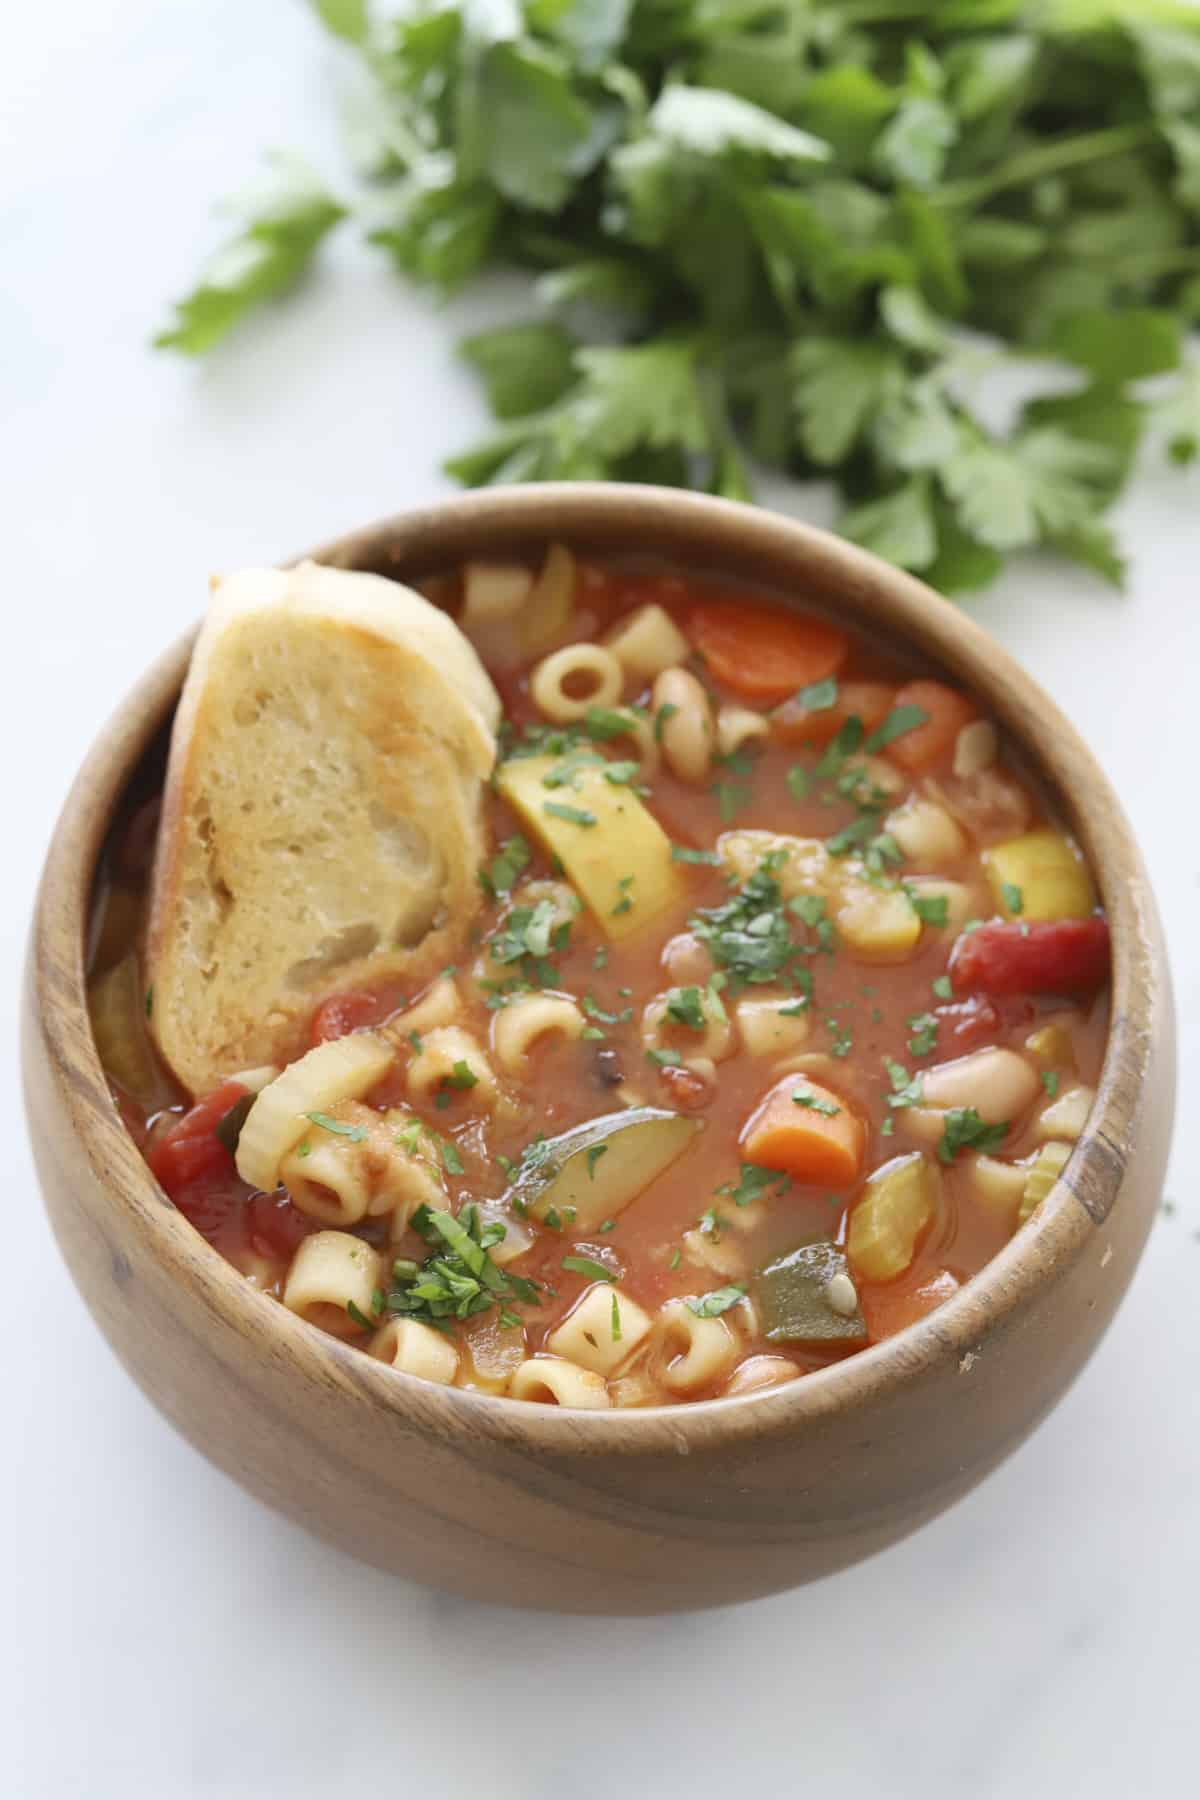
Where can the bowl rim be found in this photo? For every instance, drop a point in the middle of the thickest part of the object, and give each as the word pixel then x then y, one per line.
pixel 755 544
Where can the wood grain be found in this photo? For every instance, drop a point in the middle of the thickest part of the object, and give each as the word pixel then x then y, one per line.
pixel 610 1512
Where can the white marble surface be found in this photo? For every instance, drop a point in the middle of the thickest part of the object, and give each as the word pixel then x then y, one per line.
pixel 164 1634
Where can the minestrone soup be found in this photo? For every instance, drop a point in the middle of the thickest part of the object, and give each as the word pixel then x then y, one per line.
pixel 779 1011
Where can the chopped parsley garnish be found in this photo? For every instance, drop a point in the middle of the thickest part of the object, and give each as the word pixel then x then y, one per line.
pixel 1050 1081
pixel 906 1088
pixel 462 1075
pixel 799 781
pixel 592 1157
pixel 931 909
pixel 675 1259
pixel 847 741
pixel 552 1219
pixel 753 1182
pixel 359 1316
pixel 600 959
pixel 843 1040
pixel 943 987
pixel 683 853
pixel 574 815
pixel 604 722
pixel 819 696
pixel 1013 898
pixel 595 1011
pixel 414 1039
pixel 410 1138
pixel 665 712
pixel 748 935
pixel 685 1006
pixel 500 877
pixel 452 1162
pixel 852 836
pixel 616 1321
pixel 620 774
pixel 665 1059
pixel 815 1104
pixel 355 1133
pixel 963 1129
pixel 606 1225
pixel 731 797
pixel 924 1028
pixel 900 720
pixel 711 1306
pixel 589 1267
pixel 458 1278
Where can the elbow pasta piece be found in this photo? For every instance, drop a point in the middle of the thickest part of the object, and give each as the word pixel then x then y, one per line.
pixel 343 1178
pixel 438 1005
pixel 329 1176
pixel 587 1336
pixel 443 1053
pixel 647 642
pixel 589 667
pixel 927 833
pixel 772 1027
pixel 700 1351
pixel 759 1372
pixel 331 1271
pixel 416 1349
pixel 713 1044
pixel 558 1383
pixel 519 1025
pixel 737 726
pixel 686 733
pixel 344 1069
pixel 686 961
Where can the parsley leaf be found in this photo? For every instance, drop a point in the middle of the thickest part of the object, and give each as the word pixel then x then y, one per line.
pixel 718 1301
pixel 963 1129
pixel 589 1267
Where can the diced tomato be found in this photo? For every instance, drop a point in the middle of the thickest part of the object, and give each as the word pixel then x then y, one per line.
pixel 868 701
pixel 1051 956
pixel 343 1013
pixel 275 1226
pixel 190 1150
pixel 207 1200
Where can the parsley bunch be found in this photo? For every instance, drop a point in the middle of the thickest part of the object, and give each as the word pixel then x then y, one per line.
pixel 772 232
pixel 458 1278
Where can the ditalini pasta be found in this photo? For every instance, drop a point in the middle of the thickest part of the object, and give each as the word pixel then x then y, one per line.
pixel 780 1007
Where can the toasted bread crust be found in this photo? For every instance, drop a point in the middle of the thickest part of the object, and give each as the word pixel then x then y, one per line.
pixel 321 823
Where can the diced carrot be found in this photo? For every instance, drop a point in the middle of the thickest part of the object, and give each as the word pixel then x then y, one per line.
pixel 869 701
pixel 946 712
pixel 762 653
pixel 807 1132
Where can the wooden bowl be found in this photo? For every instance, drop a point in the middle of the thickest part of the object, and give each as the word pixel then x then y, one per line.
pixel 620 1512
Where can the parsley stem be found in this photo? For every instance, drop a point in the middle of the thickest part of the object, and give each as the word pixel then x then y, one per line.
pixel 1048 159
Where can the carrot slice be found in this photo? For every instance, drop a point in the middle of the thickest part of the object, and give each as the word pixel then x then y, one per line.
pixel 807 1132
pixel 764 654
pixel 946 712
pixel 870 701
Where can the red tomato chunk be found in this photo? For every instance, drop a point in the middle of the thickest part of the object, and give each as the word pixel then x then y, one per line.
pixel 1060 956
pixel 190 1149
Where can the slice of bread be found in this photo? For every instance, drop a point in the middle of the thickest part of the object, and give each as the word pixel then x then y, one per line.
pixel 322 823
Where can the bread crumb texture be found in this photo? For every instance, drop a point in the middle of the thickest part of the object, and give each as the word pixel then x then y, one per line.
pixel 322 821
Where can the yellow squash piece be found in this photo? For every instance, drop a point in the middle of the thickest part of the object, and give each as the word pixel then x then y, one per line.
pixel 615 853
pixel 898 1206
pixel 1039 876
